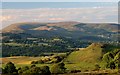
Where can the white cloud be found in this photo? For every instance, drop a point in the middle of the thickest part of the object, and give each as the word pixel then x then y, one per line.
pixel 96 14
pixel 5 18
pixel 56 19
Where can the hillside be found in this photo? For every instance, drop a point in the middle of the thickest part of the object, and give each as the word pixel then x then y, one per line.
pixel 85 58
pixel 70 25
pixel 91 54
pixel 96 53
pixel 21 27
pixel 70 29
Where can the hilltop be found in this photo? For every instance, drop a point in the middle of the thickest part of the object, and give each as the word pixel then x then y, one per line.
pixel 69 25
pixel 91 54
pixel 71 29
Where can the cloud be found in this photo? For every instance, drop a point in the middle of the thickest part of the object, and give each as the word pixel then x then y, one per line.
pixel 5 18
pixel 56 19
pixel 96 14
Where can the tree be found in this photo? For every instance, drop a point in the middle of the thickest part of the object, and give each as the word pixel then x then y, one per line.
pixel 111 65
pixel 3 71
pixel 107 57
pixel 117 57
pixel 111 59
pixel 35 70
pixel 45 70
pixel 40 61
pixel 33 66
pixel 24 69
pixel 10 68
pixel 97 67
pixel 58 68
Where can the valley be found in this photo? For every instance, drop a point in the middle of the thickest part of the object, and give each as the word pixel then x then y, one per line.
pixel 61 48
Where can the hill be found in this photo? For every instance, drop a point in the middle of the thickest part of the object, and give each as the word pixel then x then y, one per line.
pixel 71 29
pixel 96 53
pixel 88 57
pixel 20 27
pixel 91 54
pixel 69 25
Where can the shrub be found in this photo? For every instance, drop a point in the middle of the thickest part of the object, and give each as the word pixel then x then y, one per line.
pixel 97 67
pixel 35 70
pixel 45 70
pixel 10 68
pixel 34 62
pixel 58 68
pixel 111 65
pixel 75 71
pixel 24 69
pixel 40 62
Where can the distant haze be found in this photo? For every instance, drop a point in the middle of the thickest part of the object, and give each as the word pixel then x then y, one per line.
pixel 58 12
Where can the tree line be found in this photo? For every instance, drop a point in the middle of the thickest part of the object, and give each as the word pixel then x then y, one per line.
pixel 10 69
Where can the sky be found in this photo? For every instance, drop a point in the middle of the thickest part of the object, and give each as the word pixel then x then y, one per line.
pixel 30 5
pixel 85 12
pixel 60 0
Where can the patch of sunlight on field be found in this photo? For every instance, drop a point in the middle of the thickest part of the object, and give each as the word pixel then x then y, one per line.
pixel 86 55
pixel 19 59
pixel 85 58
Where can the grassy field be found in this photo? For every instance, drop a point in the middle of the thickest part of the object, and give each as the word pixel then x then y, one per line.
pixel 19 59
pixel 102 72
pixel 84 58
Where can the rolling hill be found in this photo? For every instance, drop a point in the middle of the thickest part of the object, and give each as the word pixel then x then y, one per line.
pixel 91 54
pixel 70 25
pixel 71 29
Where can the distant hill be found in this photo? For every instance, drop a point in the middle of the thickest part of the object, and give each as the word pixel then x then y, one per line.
pixel 71 29
pixel 21 27
pixel 70 25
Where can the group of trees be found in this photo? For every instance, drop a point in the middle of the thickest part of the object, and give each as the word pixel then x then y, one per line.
pixel 112 59
pixel 58 68
pixel 35 46
pixel 34 70
pixel 11 69
pixel 50 60
pixel 29 50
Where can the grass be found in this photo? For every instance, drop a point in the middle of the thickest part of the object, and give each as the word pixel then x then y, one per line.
pixel 89 54
pixel 80 66
pixel 100 72
pixel 19 59
pixel 81 59
pixel 85 59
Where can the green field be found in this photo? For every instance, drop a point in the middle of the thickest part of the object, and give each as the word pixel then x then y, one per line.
pixel 85 58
